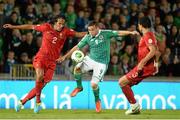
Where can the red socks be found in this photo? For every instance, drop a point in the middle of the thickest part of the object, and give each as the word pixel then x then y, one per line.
pixel 35 92
pixel 29 96
pixel 129 94
pixel 38 87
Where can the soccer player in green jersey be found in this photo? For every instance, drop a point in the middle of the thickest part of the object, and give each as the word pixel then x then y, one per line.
pixel 97 60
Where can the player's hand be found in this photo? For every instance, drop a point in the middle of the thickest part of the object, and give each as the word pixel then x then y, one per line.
pixel 135 33
pixel 156 65
pixel 140 69
pixel 60 59
pixel 7 26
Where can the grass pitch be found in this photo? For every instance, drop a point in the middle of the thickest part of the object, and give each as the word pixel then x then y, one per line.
pixel 88 114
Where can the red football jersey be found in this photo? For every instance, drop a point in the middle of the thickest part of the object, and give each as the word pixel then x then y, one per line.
pixel 146 40
pixel 52 40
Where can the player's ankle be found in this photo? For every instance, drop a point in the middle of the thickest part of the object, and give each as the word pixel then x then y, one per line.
pixel 20 103
pixel 79 87
pixel 97 99
pixel 38 103
pixel 134 104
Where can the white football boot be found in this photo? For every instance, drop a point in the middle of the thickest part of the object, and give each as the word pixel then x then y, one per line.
pixel 19 106
pixel 135 109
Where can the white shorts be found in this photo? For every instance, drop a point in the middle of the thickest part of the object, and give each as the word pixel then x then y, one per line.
pixel 99 69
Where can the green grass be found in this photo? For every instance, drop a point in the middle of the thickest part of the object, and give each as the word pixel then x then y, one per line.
pixel 88 114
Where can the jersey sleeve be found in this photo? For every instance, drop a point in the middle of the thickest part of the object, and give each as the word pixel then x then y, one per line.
pixel 111 33
pixel 41 27
pixel 150 39
pixel 114 33
pixel 83 42
pixel 70 32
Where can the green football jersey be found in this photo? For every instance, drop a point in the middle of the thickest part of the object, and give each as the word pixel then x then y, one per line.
pixel 99 45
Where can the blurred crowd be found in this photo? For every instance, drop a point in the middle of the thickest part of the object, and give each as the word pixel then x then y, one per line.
pixel 20 46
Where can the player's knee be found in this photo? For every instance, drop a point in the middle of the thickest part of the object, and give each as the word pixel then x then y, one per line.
pixel 39 77
pixel 122 82
pixel 94 82
pixel 77 73
pixel 94 85
pixel 77 70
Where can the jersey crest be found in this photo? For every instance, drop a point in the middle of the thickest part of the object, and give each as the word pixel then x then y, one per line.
pixel 101 37
pixel 150 41
pixel 60 35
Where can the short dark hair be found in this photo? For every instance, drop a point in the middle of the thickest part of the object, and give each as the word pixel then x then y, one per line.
pixel 145 22
pixel 93 23
pixel 62 16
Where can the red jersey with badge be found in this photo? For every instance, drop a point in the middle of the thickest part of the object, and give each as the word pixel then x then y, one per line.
pixel 135 76
pixel 145 41
pixel 52 40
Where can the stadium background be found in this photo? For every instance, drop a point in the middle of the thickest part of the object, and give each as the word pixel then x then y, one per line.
pixel 17 48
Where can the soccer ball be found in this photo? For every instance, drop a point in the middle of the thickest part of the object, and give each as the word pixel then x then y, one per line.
pixel 77 56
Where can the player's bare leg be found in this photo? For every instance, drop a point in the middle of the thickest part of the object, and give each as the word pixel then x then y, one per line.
pixel 95 88
pixel 126 88
pixel 78 78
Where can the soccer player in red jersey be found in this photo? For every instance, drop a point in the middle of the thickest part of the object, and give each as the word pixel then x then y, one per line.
pixel 54 37
pixel 146 67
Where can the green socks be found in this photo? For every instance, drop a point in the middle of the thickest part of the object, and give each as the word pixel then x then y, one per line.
pixel 78 79
pixel 96 94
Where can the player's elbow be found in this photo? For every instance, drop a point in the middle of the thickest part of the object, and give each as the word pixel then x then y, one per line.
pixel 152 49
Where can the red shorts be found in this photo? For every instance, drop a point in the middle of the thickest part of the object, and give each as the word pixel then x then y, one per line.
pixel 134 77
pixel 47 65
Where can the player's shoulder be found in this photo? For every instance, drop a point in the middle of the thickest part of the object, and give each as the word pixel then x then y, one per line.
pixel 150 34
pixel 87 36
pixel 42 27
pixel 108 32
pixel 45 24
pixel 150 37
pixel 104 32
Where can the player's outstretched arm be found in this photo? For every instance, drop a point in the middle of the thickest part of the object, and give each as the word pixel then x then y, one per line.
pixel 80 34
pixel 67 55
pixel 26 26
pixel 123 33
